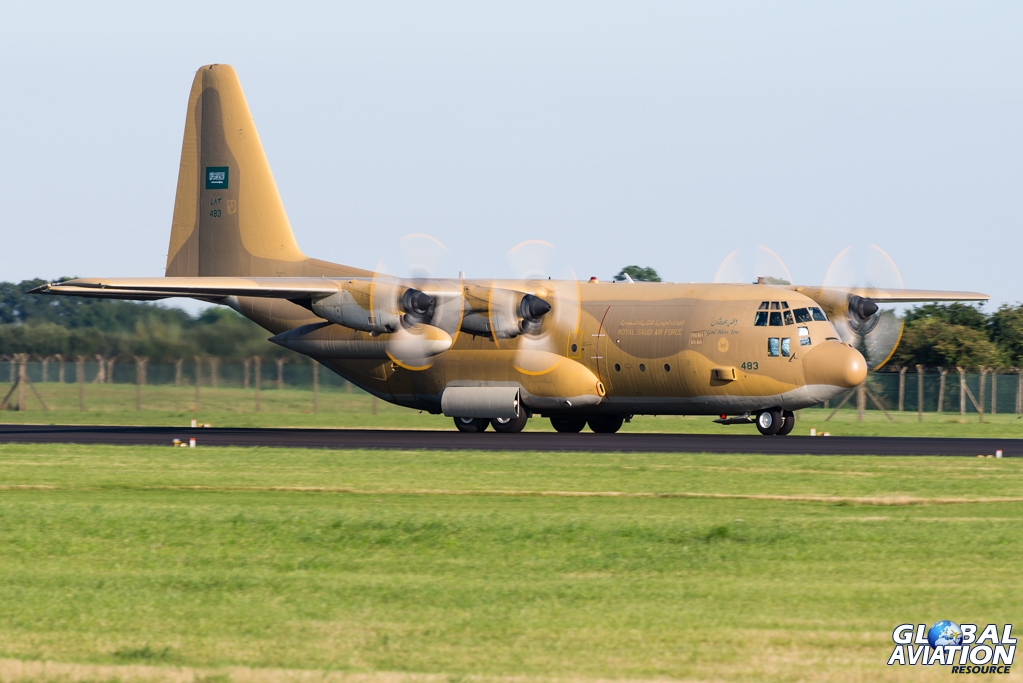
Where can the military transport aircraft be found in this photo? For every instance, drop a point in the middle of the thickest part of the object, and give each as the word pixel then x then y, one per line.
pixel 496 352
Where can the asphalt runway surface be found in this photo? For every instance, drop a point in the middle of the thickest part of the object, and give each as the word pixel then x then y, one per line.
pixel 526 441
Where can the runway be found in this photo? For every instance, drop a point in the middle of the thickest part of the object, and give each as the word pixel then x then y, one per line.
pixel 526 441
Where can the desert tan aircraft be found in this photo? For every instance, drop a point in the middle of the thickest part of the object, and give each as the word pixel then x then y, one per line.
pixel 496 352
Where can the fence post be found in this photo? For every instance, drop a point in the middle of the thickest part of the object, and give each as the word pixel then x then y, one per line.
pixel 214 370
pixel 22 380
pixel 110 369
pixel 101 373
pixel 316 387
pixel 962 390
pixel 80 379
pixel 861 400
pixel 177 371
pixel 140 379
pixel 44 369
pixel 1019 390
pixel 11 369
pixel 247 365
pixel 941 388
pixel 198 380
pixel 982 372
pixel 259 376
pixel 994 392
pixel 902 387
pixel 280 372
pixel 60 367
pixel 919 393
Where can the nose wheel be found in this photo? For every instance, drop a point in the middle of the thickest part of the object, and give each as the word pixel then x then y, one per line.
pixel 788 424
pixel 769 421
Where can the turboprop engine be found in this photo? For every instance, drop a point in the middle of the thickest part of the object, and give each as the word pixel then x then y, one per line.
pixel 362 305
pixel 502 313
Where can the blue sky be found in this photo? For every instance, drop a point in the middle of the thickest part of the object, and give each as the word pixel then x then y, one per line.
pixel 660 134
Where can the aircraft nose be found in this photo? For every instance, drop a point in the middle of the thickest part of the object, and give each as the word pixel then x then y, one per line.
pixel 834 364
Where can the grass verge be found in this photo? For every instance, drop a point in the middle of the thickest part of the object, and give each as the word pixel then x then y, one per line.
pixel 124 563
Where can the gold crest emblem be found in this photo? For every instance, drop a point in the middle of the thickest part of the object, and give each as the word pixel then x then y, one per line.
pixel 722 344
pixel 232 206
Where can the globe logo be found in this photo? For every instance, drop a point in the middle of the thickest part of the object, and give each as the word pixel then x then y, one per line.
pixel 945 632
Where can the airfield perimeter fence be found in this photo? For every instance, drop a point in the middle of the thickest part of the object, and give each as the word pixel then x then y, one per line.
pixel 974 391
pixel 28 383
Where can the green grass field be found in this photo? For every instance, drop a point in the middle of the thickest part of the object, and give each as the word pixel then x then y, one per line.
pixel 138 563
pixel 234 407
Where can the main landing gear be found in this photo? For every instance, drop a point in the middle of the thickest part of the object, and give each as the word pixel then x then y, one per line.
pixel 775 421
pixel 603 424
pixel 506 425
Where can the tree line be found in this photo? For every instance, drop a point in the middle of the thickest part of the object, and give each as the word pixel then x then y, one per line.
pixel 69 326
pixel 934 334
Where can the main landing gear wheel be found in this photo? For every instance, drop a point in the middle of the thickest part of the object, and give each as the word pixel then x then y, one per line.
pixel 769 421
pixel 568 425
pixel 471 425
pixel 606 424
pixel 788 423
pixel 510 425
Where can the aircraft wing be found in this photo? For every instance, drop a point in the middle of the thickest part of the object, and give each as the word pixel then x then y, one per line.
pixel 199 287
pixel 892 296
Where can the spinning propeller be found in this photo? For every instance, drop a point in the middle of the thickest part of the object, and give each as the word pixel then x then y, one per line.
pixel 860 272
pixel 550 315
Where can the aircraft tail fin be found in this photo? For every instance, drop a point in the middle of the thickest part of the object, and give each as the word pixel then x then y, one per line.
pixel 228 216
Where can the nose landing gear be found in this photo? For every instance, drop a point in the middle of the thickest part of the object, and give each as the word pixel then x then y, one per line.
pixel 775 421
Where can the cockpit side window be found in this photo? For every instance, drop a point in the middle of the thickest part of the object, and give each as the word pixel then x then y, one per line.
pixel 761 319
pixel 818 314
pixel 802 315
pixel 788 317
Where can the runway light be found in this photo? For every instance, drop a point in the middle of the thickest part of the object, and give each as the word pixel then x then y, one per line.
pixel 723 416
pixel 194 421
pixel 191 442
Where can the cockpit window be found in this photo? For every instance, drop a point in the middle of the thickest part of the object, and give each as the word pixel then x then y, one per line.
pixel 802 315
pixel 761 319
pixel 775 319
pixel 788 317
pixel 775 306
pixel 784 304
pixel 763 305
pixel 818 314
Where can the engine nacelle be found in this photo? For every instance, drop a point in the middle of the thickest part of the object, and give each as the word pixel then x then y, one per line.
pixel 502 313
pixel 343 308
pixel 375 307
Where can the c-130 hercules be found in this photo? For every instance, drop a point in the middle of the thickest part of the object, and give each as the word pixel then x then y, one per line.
pixel 496 352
